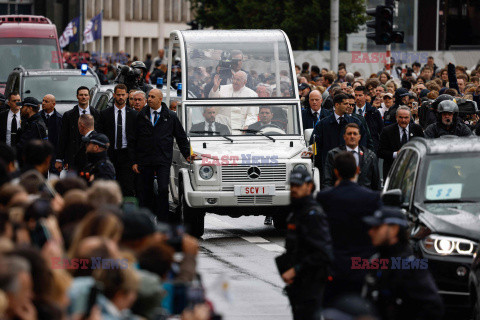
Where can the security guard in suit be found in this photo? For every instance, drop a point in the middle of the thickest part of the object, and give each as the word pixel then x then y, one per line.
pixel 305 265
pixel 99 165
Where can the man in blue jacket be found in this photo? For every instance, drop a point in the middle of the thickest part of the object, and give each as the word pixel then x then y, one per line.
pixel 152 150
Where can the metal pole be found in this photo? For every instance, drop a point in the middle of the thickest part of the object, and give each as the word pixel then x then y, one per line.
pixel 437 29
pixel 80 26
pixel 389 59
pixel 415 25
pixel 334 31
pixel 101 36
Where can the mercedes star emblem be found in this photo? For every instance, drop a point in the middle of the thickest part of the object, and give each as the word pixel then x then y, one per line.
pixel 253 172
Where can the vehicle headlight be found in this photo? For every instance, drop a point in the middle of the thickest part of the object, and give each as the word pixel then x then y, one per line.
pixel 206 172
pixel 300 166
pixel 441 245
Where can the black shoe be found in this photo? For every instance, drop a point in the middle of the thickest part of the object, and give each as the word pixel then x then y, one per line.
pixel 268 221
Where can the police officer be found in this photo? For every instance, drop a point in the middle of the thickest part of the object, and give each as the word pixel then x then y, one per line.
pixel 32 125
pixel 99 166
pixel 447 122
pixel 399 292
pixel 141 80
pixel 305 264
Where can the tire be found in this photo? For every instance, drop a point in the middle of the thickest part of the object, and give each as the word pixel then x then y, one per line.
pixel 280 221
pixel 193 219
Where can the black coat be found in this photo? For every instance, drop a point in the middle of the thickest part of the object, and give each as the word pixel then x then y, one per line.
pixel 54 126
pixel 153 145
pixel 400 293
pixel 80 159
pixel 390 116
pixel 221 128
pixel 375 124
pixel 329 134
pixel 345 206
pixel 436 130
pixel 99 166
pixel 70 138
pixel 3 125
pixel 32 128
pixel 106 125
pixel 309 248
pixel 309 121
pixel 369 173
pixel 390 142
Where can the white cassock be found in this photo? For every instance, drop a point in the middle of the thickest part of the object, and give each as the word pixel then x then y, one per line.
pixel 235 117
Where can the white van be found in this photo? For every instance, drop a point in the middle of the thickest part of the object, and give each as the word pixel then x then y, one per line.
pixel 241 111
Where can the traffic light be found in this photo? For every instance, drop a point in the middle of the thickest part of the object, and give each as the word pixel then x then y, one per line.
pixel 383 26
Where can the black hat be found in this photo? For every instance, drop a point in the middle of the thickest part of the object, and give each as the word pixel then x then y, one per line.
pixel 97 138
pixel 303 86
pixel 401 92
pixel 138 223
pixel 386 215
pixel 30 102
pixel 300 176
pixel 424 93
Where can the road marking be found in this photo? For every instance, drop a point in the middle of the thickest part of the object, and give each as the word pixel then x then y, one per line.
pixel 259 241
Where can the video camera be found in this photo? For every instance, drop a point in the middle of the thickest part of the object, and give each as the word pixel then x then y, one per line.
pixel 129 76
pixel 226 65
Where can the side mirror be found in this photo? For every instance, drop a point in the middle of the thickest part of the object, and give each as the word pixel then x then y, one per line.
pixel 308 134
pixel 393 198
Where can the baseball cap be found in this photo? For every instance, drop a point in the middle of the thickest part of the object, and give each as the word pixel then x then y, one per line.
pixel 97 138
pixel 139 224
pixel 388 94
pixel 30 102
pixel 386 215
pixel 402 92
pixel 303 86
pixel 300 176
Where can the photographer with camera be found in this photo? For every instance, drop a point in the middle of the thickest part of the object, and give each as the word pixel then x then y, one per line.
pixel 133 77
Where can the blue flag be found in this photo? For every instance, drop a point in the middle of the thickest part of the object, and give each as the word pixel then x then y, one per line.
pixel 93 29
pixel 70 34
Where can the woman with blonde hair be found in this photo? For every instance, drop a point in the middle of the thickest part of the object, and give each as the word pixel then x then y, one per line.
pixel 391 86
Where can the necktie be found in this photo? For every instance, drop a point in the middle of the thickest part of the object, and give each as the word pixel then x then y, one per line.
pixel 315 114
pixel 356 158
pixel 119 130
pixel 342 121
pixel 404 137
pixel 155 117
pixel 13 130
pixel 210 129
pixel 84 112
pixel 360 112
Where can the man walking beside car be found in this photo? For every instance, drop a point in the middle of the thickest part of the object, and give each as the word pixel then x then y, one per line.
pixel 70 138
pixel 118 124
pixel 10 120
pixel 53 121
pixel 151 149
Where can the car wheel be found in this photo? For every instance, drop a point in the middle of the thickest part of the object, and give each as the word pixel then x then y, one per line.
pixel 193 219
pixel 280 221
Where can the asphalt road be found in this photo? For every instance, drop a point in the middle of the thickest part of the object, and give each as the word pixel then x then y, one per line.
pixel 238 269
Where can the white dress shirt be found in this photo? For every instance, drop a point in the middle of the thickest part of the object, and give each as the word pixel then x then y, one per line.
pixel 80 110
pixel 124 134
pixel 400 130
pixel 355 154
pixel 226 91
pixel 152 115
pixel 9 125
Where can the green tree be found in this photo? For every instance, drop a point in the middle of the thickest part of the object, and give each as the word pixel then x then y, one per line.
pixel 307 23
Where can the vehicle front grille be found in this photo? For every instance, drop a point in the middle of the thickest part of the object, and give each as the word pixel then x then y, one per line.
pixel 231 188
pixel 255 200
pixel 268 173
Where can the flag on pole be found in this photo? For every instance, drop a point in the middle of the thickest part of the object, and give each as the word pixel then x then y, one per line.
pixel 93 29
pixel 70 34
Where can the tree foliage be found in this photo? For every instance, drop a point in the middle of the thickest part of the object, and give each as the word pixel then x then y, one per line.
pixel 306 22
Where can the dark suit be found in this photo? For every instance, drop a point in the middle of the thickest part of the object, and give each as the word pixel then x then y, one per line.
pixel 220 128
pixel 152 150
pixel 120 157
pixel 32 128
pixel 54 126
pixel 329 134
pixel 345 206
pixel 374 122
pixel 70 138
pixel 80 160
pixel 368 163
pixel 308 119
pixel 390 142
pixel 3 125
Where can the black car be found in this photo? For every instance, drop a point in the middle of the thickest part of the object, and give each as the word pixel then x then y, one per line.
pixel 439 183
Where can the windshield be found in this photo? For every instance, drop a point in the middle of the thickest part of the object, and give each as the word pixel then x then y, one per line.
pixel 64 88
pixel 271 120
pixel 453 179
pixel 238 65
pixel 28 52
